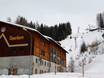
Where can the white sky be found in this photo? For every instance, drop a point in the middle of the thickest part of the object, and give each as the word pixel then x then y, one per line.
pixel 80 13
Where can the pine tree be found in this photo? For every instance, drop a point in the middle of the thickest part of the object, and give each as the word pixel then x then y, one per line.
pixel 21 20
pixel 31 25
pixel 100 20
pixel 83 47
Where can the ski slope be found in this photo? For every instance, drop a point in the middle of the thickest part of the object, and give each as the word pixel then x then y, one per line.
pixel 87 37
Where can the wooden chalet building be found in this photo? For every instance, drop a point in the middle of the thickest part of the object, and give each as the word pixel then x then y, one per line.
pixel 24 50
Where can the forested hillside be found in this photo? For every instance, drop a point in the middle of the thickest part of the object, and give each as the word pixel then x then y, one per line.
pixel 57 32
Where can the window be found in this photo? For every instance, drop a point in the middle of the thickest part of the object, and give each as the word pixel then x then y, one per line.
pixel 45 63
pixel 62 62
pixel 41 62
pixel 49 64
pixel 53 55
pixel 36 60
pixel 36 71
pixel 43 53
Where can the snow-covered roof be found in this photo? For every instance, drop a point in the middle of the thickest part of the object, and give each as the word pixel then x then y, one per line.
pixel 18 25
pixel 25 27
pixel 51 39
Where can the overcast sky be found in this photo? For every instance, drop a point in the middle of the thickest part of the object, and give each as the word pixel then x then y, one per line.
pixel 80 13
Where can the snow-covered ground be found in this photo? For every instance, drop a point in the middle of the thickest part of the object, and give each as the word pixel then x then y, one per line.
pixel 95 69
pixel 50 75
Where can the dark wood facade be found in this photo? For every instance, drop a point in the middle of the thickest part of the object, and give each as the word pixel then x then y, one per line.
pixel 17 40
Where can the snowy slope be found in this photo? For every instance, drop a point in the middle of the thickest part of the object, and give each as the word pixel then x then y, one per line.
pixel 87 37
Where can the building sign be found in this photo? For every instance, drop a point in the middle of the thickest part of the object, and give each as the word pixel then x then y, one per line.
pixel 13 38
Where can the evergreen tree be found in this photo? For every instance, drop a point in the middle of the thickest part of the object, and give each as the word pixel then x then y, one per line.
pixel 21 20
pixel 83 47
pixel 31 25
pixel 100 21
pixel 57 32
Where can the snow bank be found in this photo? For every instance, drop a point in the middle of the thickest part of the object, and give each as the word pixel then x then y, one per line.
pixel 48 75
